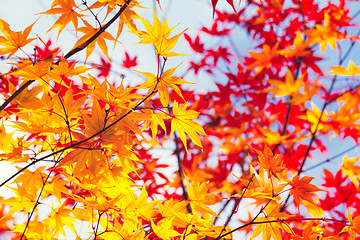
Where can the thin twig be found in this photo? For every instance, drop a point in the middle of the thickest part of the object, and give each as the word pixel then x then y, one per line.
pixel 247 224
pixel 180 173
pixel 97 225
pixel 236 205
pixel 66 117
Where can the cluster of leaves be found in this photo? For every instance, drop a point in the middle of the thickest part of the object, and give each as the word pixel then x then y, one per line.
pixel 83 144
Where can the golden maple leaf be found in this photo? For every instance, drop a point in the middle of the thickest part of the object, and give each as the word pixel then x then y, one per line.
pixel 166 80
pixel 351 70
pixel 182 122
pixel 158 34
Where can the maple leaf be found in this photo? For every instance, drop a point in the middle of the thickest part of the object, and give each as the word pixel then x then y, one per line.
pixel 13 40
pixel 199 197
pixel 104 68
pixel 325 34
pixel 65 69
pixel 349 169
pixel 158 34
pixel 272 164
pixel 312 116
pixel 157 118
pixel 29 71
pixel 354 228
pixel 166 80
pixel 100 40
pixel 262 187
pixel 164 230
pixel 181 121
pixel 128 62
pixel 214 2
pixel 289 87
pixel 303 190
pixel 300 47
pixel 68 14
pixel 272 229
pixel 264 59
pixel 59 218
pixel 351 70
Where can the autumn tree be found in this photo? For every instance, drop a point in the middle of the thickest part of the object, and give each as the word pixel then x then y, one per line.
pixel 248 154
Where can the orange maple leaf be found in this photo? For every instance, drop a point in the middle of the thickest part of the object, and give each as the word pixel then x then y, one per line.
pixel 13 40
pixel 272 164
pixel 264 59
pixel 100 40
pixel 303 190
pixel 68 14
pixel 182 122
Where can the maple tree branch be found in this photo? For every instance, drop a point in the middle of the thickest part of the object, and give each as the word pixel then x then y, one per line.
pixel 247 224
pixel 180 173
pixel 15 94
pixel 66 118
pixel 236 205
pixel 70 53
pixel 92 13
pixel 99 32
pixel 97 225
pixel 332 158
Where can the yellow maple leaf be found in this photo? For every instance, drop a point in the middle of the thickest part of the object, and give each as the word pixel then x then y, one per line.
pixel 299 48
pixel 351 70
pixel 271 229
pixel 325 34
pixel 61 217
pixel 166 80
pixel 181 121
pixel 349 169
pixel 158 34
pixel 354 228
pixel 312 116
pixel 13 40
pixel 29 71
pixel 287 88
pixel 164 229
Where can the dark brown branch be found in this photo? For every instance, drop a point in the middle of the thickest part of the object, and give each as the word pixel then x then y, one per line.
pixel 236 205
pixel 180 173
pixel 66 118
pixel 247 224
